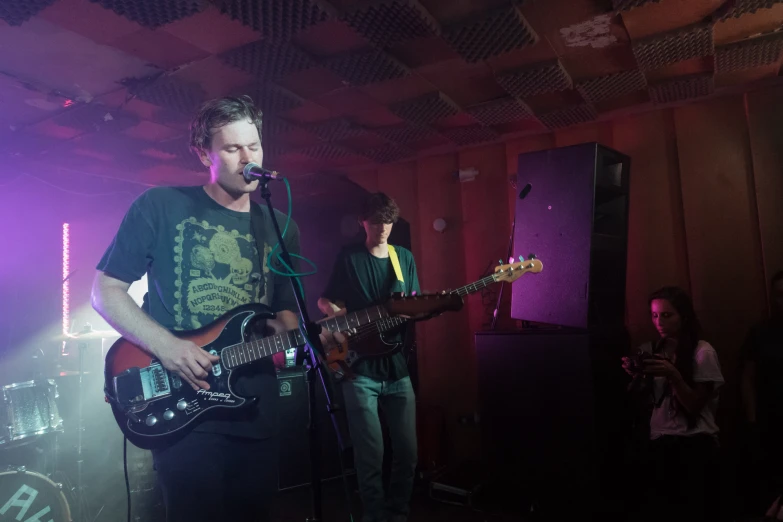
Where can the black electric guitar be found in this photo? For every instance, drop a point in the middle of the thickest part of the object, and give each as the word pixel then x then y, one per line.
pixel 154 407
pixel 367 341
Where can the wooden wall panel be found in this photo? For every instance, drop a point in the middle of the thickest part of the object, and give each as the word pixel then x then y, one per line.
pixel 657 254
pixel 398 181
pixel 599 132
pixel 727 280
pixel 486 224
pixel 765 123
pixel 367 179
pixel 444 349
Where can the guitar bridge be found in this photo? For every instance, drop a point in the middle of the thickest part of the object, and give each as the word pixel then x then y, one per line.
pixel 135 385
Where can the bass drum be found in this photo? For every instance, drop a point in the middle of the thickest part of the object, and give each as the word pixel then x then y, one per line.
pixel 26 495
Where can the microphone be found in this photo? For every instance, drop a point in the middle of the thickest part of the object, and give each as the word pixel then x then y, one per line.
pixel 254 171
pixel 525 191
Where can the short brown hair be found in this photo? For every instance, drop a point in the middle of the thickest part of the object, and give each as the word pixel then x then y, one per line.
pixel 379 208
pixel 219 112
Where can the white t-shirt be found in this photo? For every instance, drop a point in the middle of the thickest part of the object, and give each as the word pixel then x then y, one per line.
pixel 670 420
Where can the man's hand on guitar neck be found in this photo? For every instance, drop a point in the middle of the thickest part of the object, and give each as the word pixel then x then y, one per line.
pixel 290 321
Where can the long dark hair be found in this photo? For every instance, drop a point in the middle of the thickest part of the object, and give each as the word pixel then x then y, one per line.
pixel 687 338
pixel 690 329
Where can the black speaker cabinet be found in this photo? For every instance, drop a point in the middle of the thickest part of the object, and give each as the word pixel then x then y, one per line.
pixel 294 446
pixel 575 219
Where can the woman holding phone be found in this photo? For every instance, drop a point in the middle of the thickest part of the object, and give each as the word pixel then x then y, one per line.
pixel 680 373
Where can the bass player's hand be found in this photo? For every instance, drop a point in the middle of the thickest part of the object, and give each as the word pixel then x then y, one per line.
pixel 329 339
pixel 186 359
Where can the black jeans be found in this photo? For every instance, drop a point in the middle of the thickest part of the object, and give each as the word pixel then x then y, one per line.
pixel 209 477
pixel 683 479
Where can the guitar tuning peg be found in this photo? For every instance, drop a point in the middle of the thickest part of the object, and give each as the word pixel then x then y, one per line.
pixel 531 256
pixel 521 258
pixel 500 261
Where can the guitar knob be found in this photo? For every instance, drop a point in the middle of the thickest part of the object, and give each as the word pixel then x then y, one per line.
pixel 182 404
pixel 168 415
pixel 151 420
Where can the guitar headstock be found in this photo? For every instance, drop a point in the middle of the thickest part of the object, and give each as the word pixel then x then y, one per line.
pixel 512 271
pixel 424 305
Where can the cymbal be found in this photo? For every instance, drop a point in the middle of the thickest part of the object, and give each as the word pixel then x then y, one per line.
pixel 86 336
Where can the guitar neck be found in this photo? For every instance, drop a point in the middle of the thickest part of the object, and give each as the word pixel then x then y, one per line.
pixel 388 323
pixel 475 286
pixel 256 349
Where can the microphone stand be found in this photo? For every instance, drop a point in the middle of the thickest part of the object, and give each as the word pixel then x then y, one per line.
pixel 509 253
pixel 311 331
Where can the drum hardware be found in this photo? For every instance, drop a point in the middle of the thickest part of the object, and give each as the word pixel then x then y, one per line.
pixel 84 342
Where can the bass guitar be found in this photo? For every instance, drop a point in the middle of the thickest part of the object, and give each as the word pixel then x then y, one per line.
pixel 154 407
pixel 368 341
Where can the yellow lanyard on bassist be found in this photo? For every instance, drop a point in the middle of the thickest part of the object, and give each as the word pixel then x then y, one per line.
pixel 396 264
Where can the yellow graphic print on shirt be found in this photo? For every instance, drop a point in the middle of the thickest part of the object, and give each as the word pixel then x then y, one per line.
pixel 216 270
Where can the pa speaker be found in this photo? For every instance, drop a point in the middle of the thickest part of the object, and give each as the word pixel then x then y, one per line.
pixel 574 217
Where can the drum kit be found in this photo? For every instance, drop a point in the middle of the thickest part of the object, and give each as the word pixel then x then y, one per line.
pixel 43 456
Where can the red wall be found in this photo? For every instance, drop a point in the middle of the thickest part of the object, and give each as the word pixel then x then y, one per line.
pixel 705 213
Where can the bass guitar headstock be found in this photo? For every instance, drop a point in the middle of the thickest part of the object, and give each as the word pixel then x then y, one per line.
pixel 510 272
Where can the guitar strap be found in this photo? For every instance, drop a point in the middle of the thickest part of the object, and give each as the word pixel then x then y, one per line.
pixel 395 261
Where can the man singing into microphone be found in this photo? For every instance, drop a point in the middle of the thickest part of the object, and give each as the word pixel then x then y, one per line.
pixel 201 254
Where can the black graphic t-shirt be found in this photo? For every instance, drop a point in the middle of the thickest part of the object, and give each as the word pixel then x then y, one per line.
pixel 201 261
pixel 359 280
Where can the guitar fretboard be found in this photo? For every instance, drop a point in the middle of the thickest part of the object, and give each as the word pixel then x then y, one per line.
pixel 256 349
pixel 386 324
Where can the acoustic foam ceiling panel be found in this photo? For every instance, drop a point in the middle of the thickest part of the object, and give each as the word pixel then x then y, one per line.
pixel 612 86
pixel 387 22
pixel 749 53
pixel 495 33
pixel 16 12
pixel 683 44
pixel 744 7
pixel 522 83
pixel 266 60
pixel 272 128
pixel 336 130
pixel 626 5
pixel 470 134
pixel 366 66
pixel 404 132
pixel 273 99
pixel 387 153
pixel 181 149
pixel 680 89
pixel 568 116
pixel 153 13
pixel 170 93
pixel 94 117
pixel 500 111
pixel 327 151
pixel 425 109
pixel 278 20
